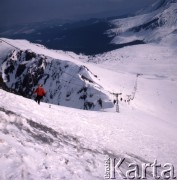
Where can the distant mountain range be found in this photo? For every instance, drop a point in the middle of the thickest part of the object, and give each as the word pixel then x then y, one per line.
pixel 156 24
pixel 95 36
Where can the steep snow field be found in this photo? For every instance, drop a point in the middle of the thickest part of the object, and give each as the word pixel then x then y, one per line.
pixel 39 142
pixel 58 142
pixel 42 142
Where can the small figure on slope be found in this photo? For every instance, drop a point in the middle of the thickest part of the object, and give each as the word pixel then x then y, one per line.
pixel 40 93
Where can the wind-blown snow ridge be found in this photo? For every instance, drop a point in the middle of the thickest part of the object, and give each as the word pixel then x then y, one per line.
pixel 66 82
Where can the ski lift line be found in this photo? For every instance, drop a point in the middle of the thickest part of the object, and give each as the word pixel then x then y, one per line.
pixel 10 44
pixel 61 80
pixel 71 78
pixel 76 85
pixel 31 75
pixel 71 83
pixel 20 50
pixel 79 85
pixel 72 75
pixel 79 79
pixel 84 84
pixel 75 77
pixel 135 86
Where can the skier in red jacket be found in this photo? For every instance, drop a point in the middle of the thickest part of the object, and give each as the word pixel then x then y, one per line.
pixel 40 93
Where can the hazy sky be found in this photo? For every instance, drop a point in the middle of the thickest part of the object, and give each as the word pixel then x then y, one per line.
pixel 26 11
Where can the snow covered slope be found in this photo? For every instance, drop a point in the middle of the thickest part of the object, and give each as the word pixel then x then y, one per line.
pixel 63 76
pixel 115 71
pixel 38 142
pixel 155 24
pixel 146 75
pixel 43 142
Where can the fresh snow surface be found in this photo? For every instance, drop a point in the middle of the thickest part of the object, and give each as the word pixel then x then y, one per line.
pixel 42 142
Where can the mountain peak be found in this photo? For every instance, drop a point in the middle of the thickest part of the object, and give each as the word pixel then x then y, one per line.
pixel 156 24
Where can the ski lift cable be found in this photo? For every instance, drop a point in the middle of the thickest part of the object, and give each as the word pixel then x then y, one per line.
pixel 72 76
pixel 135 86
pixel 10 44
pixel 78 85
pixel 71 83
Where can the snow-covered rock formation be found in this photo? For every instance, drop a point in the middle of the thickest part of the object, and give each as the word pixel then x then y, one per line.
pixel 65 82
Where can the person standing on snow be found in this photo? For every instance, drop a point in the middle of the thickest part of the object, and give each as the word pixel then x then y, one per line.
pixel 40 93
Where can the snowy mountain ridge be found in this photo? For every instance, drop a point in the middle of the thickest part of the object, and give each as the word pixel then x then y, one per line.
pixel 159 4
pixel 150 26
pixel 65 82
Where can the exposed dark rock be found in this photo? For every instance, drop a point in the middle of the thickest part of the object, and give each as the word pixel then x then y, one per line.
pixel 21 68
pixel 83 97
pixel 29 55
pixel 82 89
pixel 88 105
pixel 149 25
